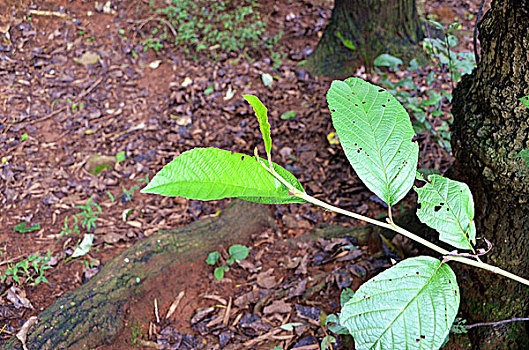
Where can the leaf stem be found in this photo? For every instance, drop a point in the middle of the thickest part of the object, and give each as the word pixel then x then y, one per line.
pixel 390 225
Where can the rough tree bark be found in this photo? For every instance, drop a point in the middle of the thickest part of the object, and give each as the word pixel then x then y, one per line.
pixel 94 313
pixel 490 127
pixel 360 30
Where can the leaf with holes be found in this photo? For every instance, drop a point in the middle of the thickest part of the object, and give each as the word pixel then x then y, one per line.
pixel 409 306
pixel 448 207
pixel 376 134
pixel 262 116
pixel 212 173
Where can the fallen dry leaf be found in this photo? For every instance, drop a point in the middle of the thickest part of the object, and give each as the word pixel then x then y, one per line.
pixel 23 332
pixel 18 298
pixel 87 58
pixel 278 306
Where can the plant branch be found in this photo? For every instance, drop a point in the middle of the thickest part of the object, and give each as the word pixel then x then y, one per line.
pixel 390 225
pixel 493 324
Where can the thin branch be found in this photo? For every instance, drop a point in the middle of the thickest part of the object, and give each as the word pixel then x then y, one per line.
pixel 392 226
pixel 494 324
pixel 50 14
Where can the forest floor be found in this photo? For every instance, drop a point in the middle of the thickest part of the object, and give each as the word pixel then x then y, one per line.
pixel 87 116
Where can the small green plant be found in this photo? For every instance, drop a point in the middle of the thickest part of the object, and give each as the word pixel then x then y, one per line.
pixel 145 180
pixel 86 218
pixel 89 214
pixel 457 63
pixel 66 230
pixel 53 104
pixel 421 104
pixel 90 264
pixel 28 270
pixel 135 334
pixel 425 104
pixel 211 24
pixel 111 196
pixel 120 156
pixel 128 194
pixel 410 305
pixel 236 252
pixel 74 106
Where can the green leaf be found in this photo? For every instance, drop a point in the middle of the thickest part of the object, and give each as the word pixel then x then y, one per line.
pixel 386 60
pixel 22 228
pixel 212 173
pixel 288 115
pixel 327 341
pixel 427 172
pixel 376 134
pixel 261 114
pixel 290 326
pixel 524 154
pixel 525 100
pixel 333 324
pixel 347 294
pixel 212 258
pixel 121 157
pixel 409 306
pixel 238 252
pixel 277 200
pixel 346 42
pixel 219 272
pixel 447 206
pixel 209 90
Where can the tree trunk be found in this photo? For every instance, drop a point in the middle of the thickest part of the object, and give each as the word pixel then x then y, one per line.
pixel 490 127
pixel 94 314
pixel 360 30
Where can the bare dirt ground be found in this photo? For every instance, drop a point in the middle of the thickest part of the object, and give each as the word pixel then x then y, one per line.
pixel 75 82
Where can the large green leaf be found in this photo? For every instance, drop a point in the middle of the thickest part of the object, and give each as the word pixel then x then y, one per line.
pixel 262 116
pixel 447 206
pixel 376 134
pixel 212 173
pixel 291 179
pixel 409 306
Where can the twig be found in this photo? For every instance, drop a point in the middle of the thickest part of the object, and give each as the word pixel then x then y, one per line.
pixel 50 14
pixel 11 260
pixel 498 323
pixel 63 108
pixel 175 304
pixel 154 18
pixel 89 90
pixel 156 311
pixel 227 314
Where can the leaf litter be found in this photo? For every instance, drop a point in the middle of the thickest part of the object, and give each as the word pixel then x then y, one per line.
pixel 77 89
